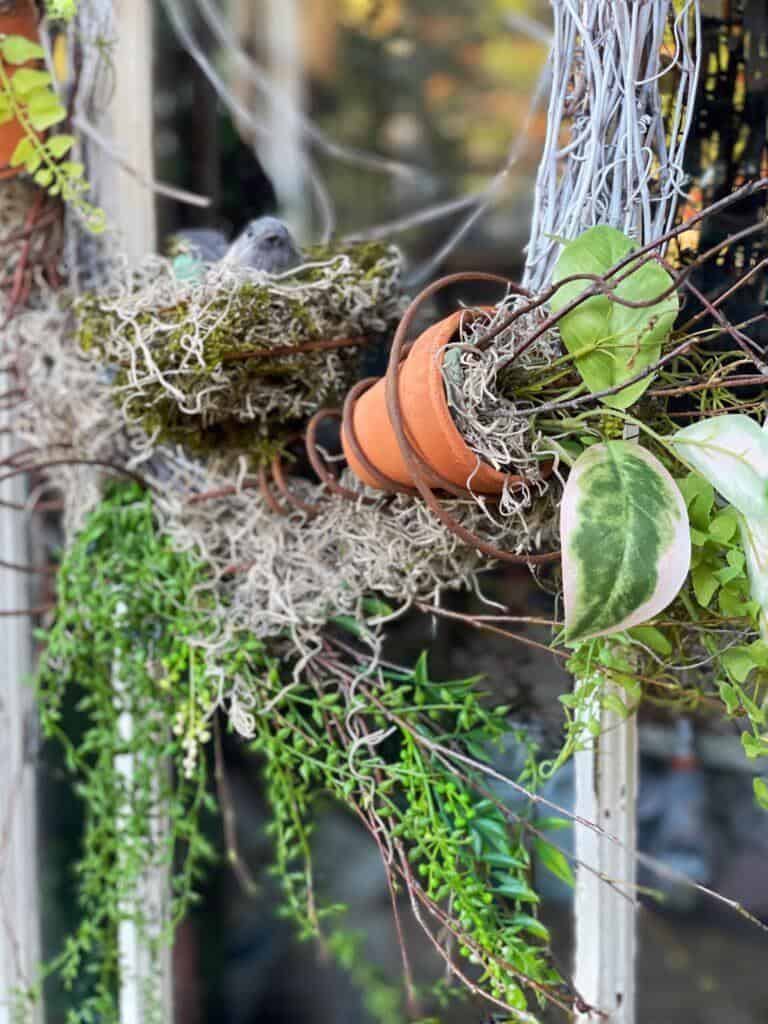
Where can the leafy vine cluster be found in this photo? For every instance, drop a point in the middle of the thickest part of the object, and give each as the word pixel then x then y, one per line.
pixel 28 96
pixel 129 649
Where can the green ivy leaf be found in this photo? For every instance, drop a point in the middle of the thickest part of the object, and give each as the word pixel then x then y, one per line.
pixel 25 80
pixel 738 662
pixel 699 496
pixel 729 696
pixel 18 50
pixel 612 702
pixel 653 638
pixel 60 145
pixel 24 154
pixel 723 527
pixel 73 169
pixel 625 540
pixel 753 747
pixel 761 792
pixel 44 177
pixel 44 109
pixel 554 861
pixel 611 342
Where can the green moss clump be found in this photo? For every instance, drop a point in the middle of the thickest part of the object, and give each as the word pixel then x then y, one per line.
pixel 182 349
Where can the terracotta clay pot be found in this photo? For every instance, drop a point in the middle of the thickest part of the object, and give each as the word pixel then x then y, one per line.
pixel 427 420
pixel 20 21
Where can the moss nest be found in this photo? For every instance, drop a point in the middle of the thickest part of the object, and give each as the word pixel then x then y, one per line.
pixel 203 362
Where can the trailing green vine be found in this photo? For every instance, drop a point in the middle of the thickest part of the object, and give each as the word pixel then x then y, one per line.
pixel 135 649
pixel 449 844
pixel 28 97
pixel 120 648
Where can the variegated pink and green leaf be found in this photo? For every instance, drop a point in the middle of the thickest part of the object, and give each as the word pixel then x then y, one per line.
pixel 625 540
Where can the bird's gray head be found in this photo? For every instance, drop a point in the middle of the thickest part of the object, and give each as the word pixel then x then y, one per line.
pixel 264 244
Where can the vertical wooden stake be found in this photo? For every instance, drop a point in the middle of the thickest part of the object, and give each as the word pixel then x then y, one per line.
pixel 19 885
pixel 146 985
pixel 286 157
pixel 128 121
pixel 606 793
pixel 606 915
pixel 274 31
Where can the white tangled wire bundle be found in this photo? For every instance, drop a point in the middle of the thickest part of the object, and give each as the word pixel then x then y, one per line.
pixel 624 78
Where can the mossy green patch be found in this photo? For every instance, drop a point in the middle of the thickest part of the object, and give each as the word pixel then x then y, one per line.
pixel 182 349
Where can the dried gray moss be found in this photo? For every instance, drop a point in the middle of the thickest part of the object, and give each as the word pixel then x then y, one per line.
pixel 175 346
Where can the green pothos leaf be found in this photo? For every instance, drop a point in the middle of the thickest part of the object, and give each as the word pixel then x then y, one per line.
pixel 625 540
pixel 18 50
pixel 612 342
pixel 754 537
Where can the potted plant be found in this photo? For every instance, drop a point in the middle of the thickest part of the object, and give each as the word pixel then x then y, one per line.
pixel 409 416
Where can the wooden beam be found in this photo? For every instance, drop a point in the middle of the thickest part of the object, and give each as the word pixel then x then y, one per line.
pixel 128 124
pixel 605 902
pixel 19 884
pixel 605 905
pixel 273 34
pixel 146 986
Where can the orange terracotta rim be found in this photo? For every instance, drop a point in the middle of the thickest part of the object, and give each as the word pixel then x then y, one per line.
pixel 446 462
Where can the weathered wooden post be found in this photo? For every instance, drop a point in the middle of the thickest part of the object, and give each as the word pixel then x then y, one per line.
pixel 119 155
pixel 19 885
pixel 273 30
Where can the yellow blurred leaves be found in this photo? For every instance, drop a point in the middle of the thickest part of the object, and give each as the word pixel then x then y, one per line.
pixel 376 18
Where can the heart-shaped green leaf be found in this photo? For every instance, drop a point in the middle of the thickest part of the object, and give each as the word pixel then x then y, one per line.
pixel 625 540
pixel 27 79
pixel 25 154
pixel 60 145
pixel 18 50
pixel 611 342
pixel 44 109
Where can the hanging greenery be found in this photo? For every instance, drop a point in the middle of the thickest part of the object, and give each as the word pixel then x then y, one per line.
pixel 27 97
pixel 135 648
pixel 209 596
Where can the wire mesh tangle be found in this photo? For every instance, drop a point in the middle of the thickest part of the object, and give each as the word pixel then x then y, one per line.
pixel 624 77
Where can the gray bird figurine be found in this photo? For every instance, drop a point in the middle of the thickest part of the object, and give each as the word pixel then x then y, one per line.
pixel 264 244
